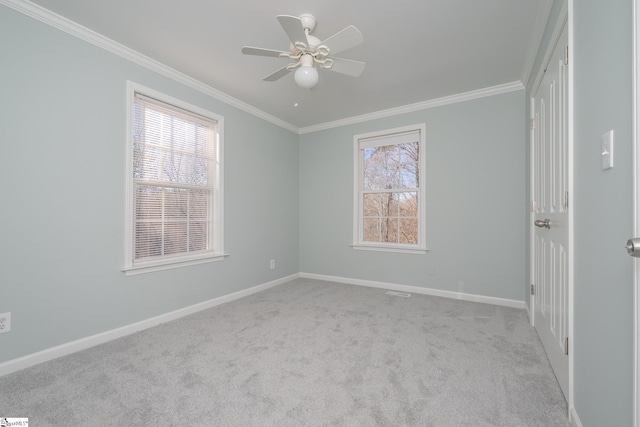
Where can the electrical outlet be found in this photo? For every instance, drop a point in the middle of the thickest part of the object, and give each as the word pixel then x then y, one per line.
pixel 272 264
pixel 5 322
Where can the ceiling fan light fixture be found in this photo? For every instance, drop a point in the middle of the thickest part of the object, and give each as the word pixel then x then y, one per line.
pixel 306 76
pixel 310 53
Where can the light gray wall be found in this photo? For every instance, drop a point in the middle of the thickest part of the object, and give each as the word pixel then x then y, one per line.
pixel 603 213
pixel 602 203
pixel 62 103
pixel 475 196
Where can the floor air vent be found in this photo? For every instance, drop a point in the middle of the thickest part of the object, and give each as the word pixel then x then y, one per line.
pixel 398 294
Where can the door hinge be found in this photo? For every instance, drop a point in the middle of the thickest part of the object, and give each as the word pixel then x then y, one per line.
pixel 566 55
pixel 566 346
pixel 533 123
pixel 566 200
pixel 533 292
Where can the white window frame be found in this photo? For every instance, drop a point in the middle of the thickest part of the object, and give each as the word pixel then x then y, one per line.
pixel 358 240
pixel 216 237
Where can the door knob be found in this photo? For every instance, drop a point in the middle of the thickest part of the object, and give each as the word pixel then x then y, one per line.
pixel 542 223
pixel 633 247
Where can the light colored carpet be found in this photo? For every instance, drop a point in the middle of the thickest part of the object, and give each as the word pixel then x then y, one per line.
pixel 305 353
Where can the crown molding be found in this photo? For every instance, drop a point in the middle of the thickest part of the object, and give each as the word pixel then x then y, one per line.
pixel 64 24
pixel 539 25
pixel 54 20
pixel 438 102
pixel 563 20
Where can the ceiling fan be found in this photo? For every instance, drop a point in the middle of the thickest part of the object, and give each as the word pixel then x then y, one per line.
pixel 309 52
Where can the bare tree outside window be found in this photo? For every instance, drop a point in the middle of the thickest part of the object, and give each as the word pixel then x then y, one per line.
pixel 391 172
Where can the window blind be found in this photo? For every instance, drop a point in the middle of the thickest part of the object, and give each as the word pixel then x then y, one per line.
pixel 390 139
pixel 174 178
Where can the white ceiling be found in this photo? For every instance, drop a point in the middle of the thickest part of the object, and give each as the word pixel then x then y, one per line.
pixel 415 50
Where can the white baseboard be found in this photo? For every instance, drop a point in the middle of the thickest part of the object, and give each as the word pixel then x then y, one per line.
pixel 418 290
pixel 93 340
pixel 575 419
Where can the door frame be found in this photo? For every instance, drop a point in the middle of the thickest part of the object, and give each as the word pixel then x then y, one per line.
pixel 564 19
pixel 636 210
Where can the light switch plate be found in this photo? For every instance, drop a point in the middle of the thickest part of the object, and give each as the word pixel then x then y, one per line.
pixel 607 150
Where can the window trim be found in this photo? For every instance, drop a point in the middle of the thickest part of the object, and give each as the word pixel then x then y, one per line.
pixel 217 215
pixel 358 243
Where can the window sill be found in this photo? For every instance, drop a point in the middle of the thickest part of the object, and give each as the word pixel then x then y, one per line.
pixel 168 264
pixel 397 249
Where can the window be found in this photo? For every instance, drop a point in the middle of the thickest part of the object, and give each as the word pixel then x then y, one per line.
pixel 174 183
pixel 389 195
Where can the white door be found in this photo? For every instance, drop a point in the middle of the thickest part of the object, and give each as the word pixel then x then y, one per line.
pixel 550 212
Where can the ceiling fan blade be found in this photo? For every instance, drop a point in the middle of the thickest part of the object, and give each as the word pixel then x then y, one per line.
pixel 277 74
pixel 248 50
pixel 343 40
pixel 292 25
pixel 347 66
